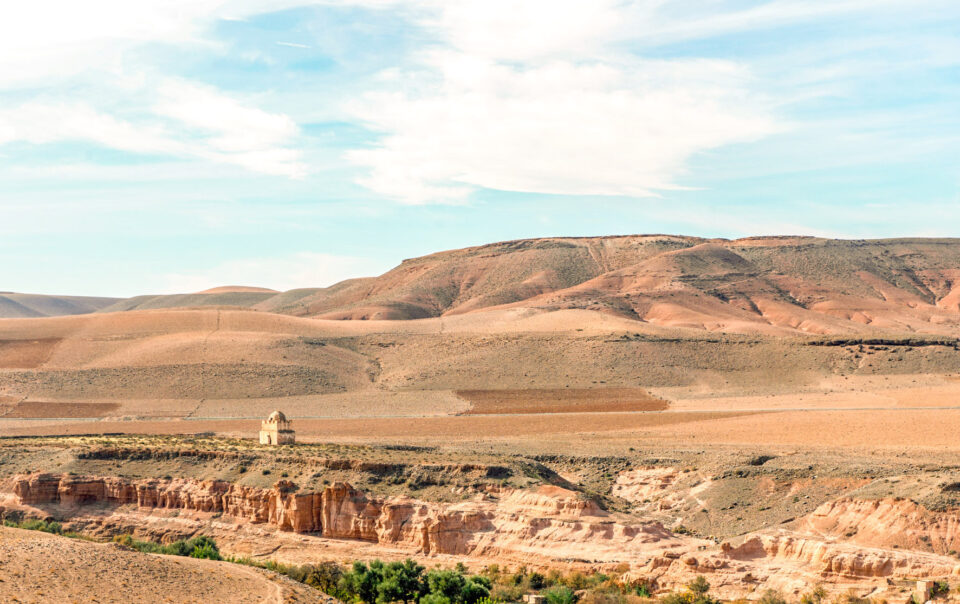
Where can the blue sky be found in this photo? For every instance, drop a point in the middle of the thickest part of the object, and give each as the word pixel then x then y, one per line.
pixel 165 146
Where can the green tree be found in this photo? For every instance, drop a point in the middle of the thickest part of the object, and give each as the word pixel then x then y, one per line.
pixel 363 582
pixel 325 576
pixel 475 589
pixel 402 581
pixel 447 583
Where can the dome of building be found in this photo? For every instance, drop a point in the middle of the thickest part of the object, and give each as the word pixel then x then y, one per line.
pixel 276 417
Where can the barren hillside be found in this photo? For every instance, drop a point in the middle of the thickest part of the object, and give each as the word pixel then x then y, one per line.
pixel 768 285
pixel 13 305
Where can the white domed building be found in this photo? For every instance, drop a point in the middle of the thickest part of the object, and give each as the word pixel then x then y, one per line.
pixel 276 430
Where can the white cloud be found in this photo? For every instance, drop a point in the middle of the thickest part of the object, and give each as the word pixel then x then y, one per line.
pixel 241 134
pixel 76 53
pixel 41 122
pixel 303 269
pixel 669 22
pixel 189 120
pixel 522 101
pixel 521 31
pixel 536 95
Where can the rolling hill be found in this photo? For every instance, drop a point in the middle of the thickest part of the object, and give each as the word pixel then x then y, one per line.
pixel 769 285
pixel 14 305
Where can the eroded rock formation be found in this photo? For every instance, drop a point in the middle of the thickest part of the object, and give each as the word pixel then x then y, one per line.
pixel 548 526
pixel 540 523
pixel 887 522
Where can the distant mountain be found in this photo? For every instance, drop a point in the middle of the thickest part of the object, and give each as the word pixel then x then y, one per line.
pixel 774 285
pixel 765 284
pixel 18 306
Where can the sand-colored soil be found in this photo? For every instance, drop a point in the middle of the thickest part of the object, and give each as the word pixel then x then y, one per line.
pixel 39 567
pixel 467 427
pixel 57 409
pixel 903 429
pixel 560 400
pixel 837 392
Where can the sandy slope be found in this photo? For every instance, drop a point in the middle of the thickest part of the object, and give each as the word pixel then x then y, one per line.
pixel 38 567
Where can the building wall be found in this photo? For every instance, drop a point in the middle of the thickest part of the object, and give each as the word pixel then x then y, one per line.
pixel 277 437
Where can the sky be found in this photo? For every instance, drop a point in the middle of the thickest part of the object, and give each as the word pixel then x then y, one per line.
pixel 164 146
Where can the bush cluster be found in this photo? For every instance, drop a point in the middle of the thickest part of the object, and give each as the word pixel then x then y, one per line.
pixel 198 547
pixel 37 525
pixel 380 583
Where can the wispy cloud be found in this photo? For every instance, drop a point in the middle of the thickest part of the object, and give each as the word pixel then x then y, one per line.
pixel 293 45
pixel 189 120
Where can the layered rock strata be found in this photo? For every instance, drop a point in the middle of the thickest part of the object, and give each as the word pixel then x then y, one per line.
pixel 539 523
pixel 544 527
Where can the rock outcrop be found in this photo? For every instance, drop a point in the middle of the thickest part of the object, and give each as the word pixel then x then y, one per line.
pixel 538 523
pixel 544 527
pixel 887 522
pixel 842 559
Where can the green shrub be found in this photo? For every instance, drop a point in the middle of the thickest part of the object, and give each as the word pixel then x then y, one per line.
pixel 560 594
pixel 699 586
pixel 205 551
pixel 816 596
pixel 772 596
pixel 42 525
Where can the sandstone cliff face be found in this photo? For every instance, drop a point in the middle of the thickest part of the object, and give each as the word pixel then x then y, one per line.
pixel 842 559
pixel 887 523
pixel 543 527
pixel 537 523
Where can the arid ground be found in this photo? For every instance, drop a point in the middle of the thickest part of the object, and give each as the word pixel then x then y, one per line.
pixel 762 411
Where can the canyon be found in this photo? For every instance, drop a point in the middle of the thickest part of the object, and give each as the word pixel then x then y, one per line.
pixel 876 546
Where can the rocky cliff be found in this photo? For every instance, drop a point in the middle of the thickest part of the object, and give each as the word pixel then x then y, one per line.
pixel 539 523
pixel 888 522
pixel 545 527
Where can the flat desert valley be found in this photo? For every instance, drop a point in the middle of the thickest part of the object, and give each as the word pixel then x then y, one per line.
pixel 777 413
